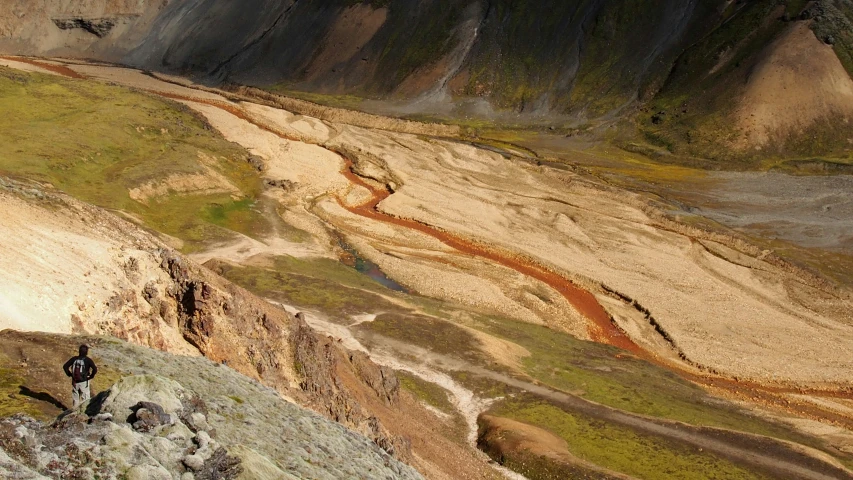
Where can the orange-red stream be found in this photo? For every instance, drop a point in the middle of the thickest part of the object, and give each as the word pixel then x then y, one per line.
pixel 601 329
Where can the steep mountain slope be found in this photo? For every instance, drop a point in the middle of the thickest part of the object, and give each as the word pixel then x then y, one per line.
pixel 529 56
pixel 517 61
pixel 771 81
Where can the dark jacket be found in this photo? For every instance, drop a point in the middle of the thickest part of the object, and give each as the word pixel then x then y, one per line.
pixel 89 371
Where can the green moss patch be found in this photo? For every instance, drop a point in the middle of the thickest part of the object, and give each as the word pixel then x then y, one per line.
pixel 429 393
pixel 621 449
pixel 612 377
pixel 429 333
pixel 322 284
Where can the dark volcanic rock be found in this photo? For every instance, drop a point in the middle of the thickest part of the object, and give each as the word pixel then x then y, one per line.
pixel 147 416
pixel 98 27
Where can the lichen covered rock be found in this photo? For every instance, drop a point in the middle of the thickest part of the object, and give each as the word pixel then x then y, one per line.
pixel 218 424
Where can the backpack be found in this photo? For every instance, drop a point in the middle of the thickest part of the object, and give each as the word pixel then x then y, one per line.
pixel 78 371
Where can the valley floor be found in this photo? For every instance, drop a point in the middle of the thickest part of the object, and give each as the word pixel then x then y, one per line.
pixel 514 264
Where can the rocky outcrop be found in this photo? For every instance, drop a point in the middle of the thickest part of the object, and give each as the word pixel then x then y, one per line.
pixel 332 395
pixel 98 27
pixel 230 325
pixel 152 427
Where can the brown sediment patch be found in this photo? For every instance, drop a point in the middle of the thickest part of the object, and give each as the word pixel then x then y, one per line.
pixel 58 69
pixel 799 81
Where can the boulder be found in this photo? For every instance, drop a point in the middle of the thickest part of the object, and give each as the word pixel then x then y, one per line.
pixel 128 392
pixel 148 416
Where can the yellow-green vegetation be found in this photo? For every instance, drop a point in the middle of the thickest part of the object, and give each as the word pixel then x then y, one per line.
pixel 430 333
pixel 316 283
pixel 635 162
pixel 611 377
pixel 437 398
pixel 622 449
pixel 536 467
pixel 350 102
pixel 12 401
pixel 430 393
pixel 483 387
pixel 97 142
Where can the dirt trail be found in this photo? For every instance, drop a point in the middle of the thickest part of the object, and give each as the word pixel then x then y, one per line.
pixel 464 400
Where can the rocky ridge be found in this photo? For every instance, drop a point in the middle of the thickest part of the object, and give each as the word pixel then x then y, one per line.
pixel 216 423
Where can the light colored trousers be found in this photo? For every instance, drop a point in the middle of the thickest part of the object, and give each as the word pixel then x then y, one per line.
pixel 80 393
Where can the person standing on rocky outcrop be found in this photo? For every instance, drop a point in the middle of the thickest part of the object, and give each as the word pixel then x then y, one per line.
pixel 81 369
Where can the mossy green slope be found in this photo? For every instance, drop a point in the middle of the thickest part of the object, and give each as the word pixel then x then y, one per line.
pixel 97 141
pixel 618 448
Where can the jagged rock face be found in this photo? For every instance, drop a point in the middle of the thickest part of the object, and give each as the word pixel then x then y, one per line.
pixel 330 394
pixel 98 27
pixel 227 323
pixel 186 436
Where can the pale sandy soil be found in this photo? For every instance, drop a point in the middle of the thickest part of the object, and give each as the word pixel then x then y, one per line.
pixel 246 249
pixel 747 319
pixel 77 270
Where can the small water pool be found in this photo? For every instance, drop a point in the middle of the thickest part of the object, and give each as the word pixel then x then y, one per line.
pixel 369 268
